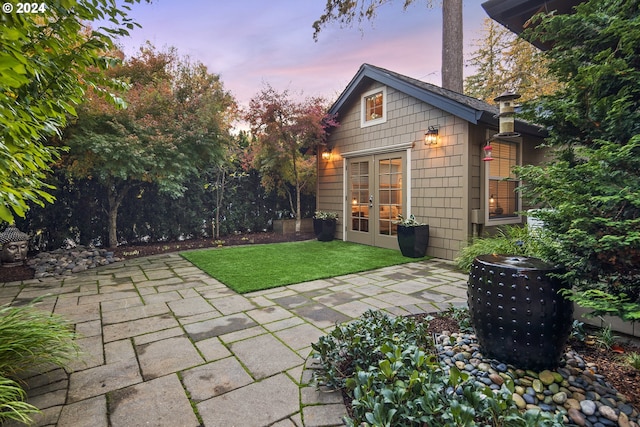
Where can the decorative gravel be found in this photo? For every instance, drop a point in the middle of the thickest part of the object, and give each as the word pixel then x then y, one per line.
pixel 68 261
pixel 575 389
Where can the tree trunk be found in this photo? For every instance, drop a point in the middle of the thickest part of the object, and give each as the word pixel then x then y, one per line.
pixel 115 199
pixel 298 219
pixel 113 225
pixel 452 46
pixel 220 181
pixel 294 158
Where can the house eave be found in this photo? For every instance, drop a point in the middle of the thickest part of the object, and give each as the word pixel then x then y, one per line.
pixel 516 14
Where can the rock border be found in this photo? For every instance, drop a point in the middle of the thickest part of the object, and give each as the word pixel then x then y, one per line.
pixel 65 262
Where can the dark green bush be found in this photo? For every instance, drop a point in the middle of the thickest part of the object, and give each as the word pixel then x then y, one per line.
pixel 592 180
pixel 357 345
pixel 509 240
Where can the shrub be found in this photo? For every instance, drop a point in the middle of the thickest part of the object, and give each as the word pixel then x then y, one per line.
pixel 591 182
pixel 509 240
pixel 357 344
pixel 12 404
pixel 29 338
pixel 633 360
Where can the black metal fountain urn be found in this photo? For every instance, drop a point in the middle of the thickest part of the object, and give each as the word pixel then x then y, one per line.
pixel 517 311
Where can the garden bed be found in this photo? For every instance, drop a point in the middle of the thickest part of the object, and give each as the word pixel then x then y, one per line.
pixel 584 363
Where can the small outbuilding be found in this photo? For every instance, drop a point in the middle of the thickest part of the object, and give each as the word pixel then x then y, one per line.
pixel 405 147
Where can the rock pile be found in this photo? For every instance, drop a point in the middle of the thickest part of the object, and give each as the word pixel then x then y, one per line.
pixel 576 389
pixel 69 261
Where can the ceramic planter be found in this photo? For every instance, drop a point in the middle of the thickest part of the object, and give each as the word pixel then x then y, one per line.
pixel 413 241
pixel 517 311
pixel 324 229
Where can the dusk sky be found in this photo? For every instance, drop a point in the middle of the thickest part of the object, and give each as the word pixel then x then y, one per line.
pixel 252 42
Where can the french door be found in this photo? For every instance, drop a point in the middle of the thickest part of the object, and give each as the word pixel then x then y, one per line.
pixel 376 196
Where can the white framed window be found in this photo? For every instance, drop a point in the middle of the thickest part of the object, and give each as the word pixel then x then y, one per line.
pixel 374 107
pixel 502 200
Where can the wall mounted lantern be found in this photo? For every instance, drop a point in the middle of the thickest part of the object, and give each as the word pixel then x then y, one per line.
pixel 431 136
pixel 326 154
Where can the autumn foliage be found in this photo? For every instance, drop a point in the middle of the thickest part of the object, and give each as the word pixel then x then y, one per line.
pixel 287 134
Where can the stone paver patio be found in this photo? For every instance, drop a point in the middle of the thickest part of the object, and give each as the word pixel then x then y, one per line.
pixel 164 344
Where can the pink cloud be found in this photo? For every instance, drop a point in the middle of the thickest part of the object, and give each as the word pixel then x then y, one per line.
pixel 249 42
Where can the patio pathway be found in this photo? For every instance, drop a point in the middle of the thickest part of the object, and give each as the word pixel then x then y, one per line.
pixel 164 344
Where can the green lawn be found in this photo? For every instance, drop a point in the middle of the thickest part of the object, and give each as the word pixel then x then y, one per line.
pixel 253 268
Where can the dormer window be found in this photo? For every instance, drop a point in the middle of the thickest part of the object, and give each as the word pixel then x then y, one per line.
pixel 374 109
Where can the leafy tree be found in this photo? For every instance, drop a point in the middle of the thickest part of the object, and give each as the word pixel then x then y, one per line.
pixel 48 60
pixel 223 174
pixel 591 185
pixel 177 123
pixel 286 133
pixel 346 11
pixel 503 62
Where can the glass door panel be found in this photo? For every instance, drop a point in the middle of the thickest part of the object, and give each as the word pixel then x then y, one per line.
pixel 359 196
pixel 389 179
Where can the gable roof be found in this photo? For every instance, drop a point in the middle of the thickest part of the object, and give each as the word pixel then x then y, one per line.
pixel 470 109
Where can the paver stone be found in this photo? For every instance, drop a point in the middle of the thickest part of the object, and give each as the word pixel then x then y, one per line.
pixel 159 402
pixel 265 355
pixel 216 378
pixel 167 356
pixel 258 404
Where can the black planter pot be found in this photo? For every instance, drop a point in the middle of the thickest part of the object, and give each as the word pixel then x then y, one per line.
pixel 413 241
pixel 324 229
pixel 517 312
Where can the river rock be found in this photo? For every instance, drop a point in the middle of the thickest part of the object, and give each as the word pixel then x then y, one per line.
pixel 559 397
pixel 588 407
pixel 623 420
pixel 519 401
pixel 608 412
pixel 546 377
pixel 64 262
pixel 537 385
pixel 575 390
pixel 577 417
pixel 572 403
pixel 496 379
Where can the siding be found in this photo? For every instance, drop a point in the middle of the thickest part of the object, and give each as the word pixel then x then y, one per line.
pixel 439 175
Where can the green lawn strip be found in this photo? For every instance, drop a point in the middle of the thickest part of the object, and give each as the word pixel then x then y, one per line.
pixel 257 267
